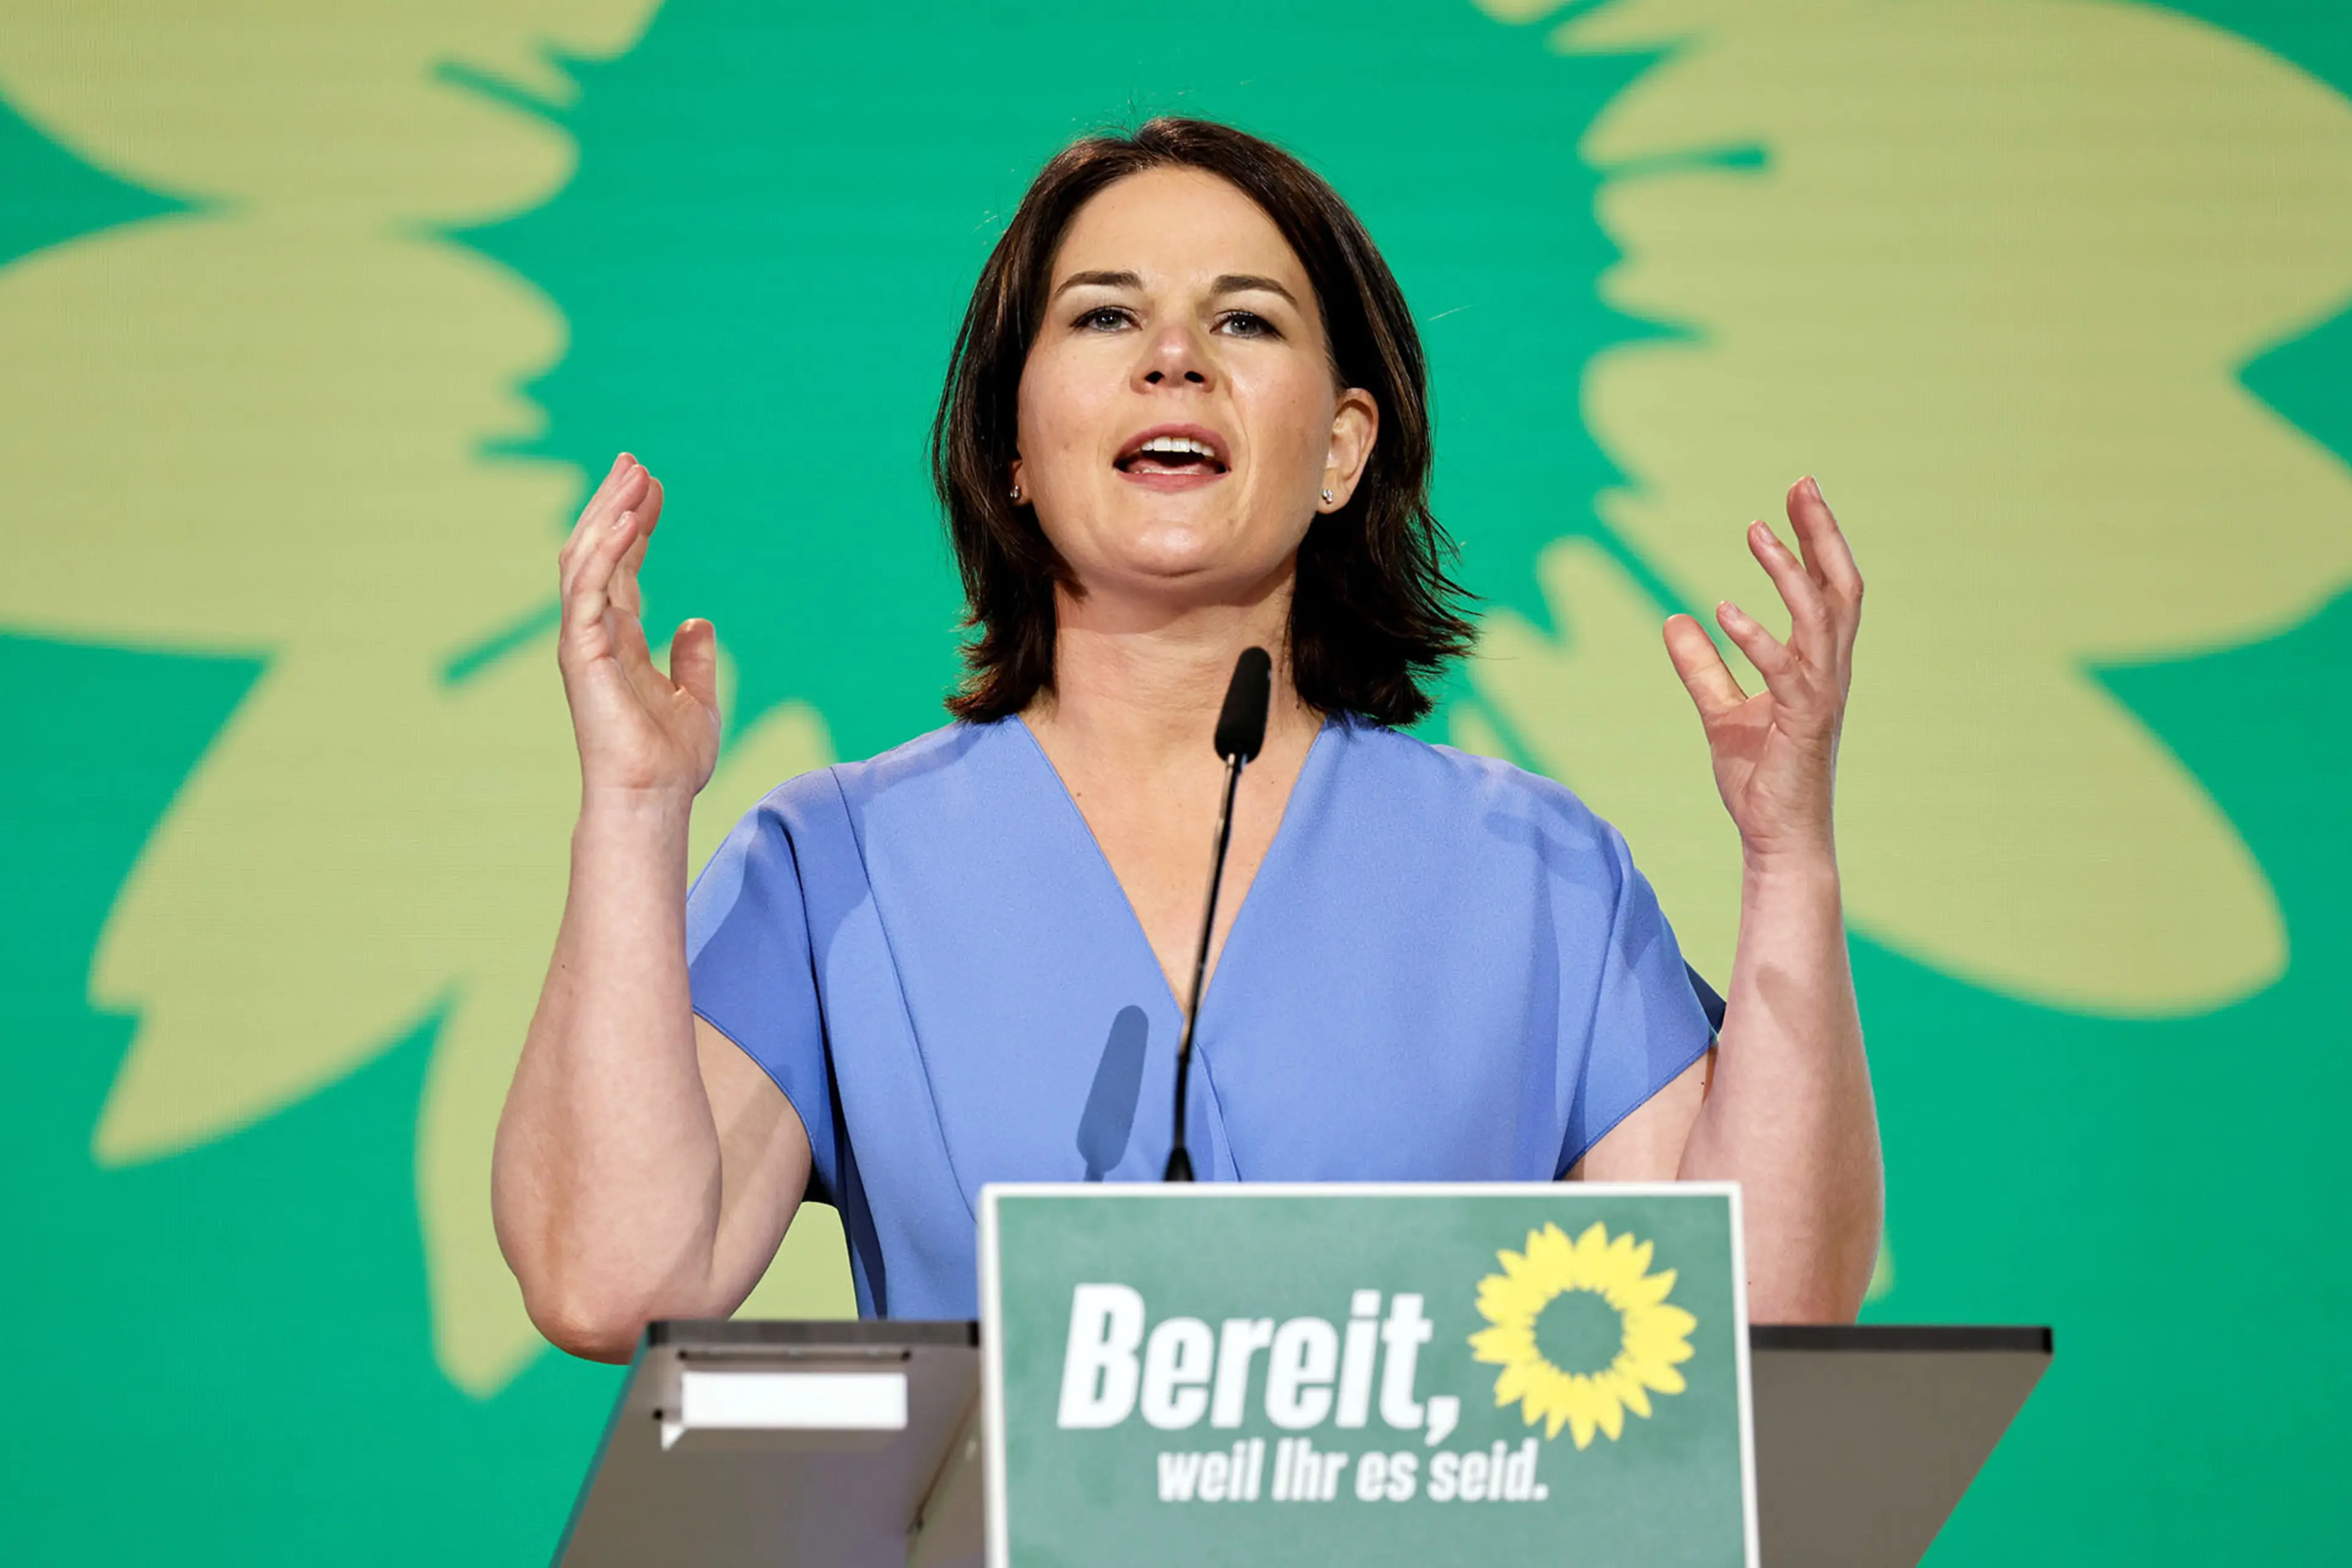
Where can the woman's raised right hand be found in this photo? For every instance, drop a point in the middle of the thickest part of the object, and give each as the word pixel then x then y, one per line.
pixel 641 733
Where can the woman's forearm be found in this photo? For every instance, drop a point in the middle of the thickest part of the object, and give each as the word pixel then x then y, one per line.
pixel 1789 1114
pixel 607 1178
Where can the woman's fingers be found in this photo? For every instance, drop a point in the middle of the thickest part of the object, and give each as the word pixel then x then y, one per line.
pixel 628 495
pixel 1811 630
pixel 622 463
pixel 1712 686
pixel 621 490
pixel 1826 550
pixel 648 684
pixel 1822 590
pixel 625 592
pixel 587 595
pixel 589 511
pixel 1828 556
pixel 694 661
pixel 626 629
pixel 604 486
pixel 1774 660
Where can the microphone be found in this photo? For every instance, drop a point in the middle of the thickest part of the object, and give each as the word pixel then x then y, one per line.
pixel 1241 736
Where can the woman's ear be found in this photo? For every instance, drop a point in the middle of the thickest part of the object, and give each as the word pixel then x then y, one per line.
pixel 1355 425
pixel 1020 491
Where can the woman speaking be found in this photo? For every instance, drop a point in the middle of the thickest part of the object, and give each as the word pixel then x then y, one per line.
pixel 1185 415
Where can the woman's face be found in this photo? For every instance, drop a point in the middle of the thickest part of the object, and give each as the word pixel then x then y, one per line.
pixel 1178 419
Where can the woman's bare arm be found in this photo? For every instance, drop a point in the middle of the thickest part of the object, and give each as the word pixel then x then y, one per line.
pixel 646 1167
pixel 1784 1105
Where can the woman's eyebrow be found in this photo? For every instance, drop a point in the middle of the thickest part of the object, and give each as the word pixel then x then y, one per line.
pixel 1229 283
pixel 1242 282
pixel 1097 280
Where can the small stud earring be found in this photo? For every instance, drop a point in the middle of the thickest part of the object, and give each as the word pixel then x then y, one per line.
pixel 1326 497
pixel 1016 493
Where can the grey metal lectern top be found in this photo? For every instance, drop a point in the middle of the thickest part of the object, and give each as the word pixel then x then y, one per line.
pixel 856 1444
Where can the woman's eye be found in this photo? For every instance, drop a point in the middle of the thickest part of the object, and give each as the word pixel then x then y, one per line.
pixel 1103 318
pixel 1247 324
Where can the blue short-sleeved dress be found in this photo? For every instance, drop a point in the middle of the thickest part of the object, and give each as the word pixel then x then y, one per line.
pixel 1446 969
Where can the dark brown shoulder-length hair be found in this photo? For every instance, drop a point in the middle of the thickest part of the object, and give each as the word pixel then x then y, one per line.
pixel 1374 614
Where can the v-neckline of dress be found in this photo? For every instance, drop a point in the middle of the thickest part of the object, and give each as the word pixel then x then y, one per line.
pixel 1139 936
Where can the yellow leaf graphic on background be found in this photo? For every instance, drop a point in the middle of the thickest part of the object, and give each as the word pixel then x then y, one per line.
pixel 261 428
pixel 1990 269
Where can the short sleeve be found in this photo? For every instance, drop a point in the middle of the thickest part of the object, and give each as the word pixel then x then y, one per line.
pixel 1647 1024
pixel 753 974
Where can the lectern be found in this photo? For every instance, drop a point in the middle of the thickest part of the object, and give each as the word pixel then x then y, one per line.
pixel 856 1445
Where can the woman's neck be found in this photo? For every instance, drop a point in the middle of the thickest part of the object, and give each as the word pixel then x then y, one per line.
pixel 1137 687
pixel 1128 728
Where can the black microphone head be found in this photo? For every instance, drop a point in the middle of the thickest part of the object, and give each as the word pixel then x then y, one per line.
pixel 1240 725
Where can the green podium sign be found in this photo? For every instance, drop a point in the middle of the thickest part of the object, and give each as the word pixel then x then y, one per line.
pixel 1362 1375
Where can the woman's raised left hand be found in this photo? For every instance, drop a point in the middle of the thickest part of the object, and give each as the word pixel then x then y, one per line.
pixel 1775 753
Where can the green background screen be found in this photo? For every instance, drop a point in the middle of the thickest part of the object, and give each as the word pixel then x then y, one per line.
pixel 315 320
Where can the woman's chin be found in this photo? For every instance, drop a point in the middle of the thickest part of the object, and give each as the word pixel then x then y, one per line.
pixel 1166 552
pixel 1174 563
pixel 1185 547
pixel 1170 585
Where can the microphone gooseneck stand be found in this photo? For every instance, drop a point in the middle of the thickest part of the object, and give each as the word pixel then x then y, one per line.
pixel 1180 1161
pixel 1241 733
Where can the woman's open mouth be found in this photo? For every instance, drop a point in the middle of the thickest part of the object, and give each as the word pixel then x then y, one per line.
pixel 1174 458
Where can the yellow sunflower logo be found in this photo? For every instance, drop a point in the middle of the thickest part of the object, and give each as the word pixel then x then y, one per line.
pixel 1582 1331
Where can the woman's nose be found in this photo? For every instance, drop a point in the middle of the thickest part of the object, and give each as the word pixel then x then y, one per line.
pixel 1176 357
